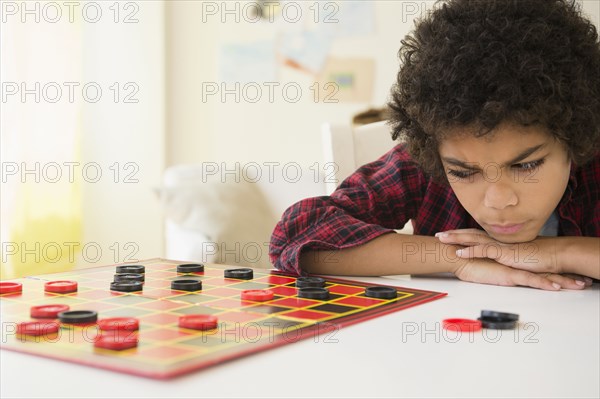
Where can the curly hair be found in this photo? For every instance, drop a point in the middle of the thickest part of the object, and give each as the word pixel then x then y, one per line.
pixel 483 62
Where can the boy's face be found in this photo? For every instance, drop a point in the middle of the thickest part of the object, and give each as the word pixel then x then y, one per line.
pixel 509 181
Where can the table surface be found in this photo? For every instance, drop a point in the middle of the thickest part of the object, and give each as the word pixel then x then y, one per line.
pixel 555 352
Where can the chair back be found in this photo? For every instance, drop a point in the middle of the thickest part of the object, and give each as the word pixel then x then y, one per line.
pixel 346 148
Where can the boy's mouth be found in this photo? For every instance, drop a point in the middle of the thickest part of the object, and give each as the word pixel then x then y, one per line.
pixel 506 228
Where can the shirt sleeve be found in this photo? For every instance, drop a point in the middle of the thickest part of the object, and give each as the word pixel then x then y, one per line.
pixel 378 198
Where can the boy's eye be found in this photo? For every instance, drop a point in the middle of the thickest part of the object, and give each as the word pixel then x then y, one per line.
pixel 520 167
pixel 461 174
pixel 529 166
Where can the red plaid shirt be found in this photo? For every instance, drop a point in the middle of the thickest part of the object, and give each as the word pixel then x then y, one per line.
pixel 382 196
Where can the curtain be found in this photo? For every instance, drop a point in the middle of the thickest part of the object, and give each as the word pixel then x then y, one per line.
pixel 40 122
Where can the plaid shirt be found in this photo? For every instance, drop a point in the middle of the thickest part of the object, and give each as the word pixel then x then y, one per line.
pixel 382 196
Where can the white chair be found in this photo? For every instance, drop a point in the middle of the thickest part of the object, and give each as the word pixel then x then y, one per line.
pixel 348 147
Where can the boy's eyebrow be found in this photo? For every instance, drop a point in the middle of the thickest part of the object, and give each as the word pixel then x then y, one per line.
pixel 524 154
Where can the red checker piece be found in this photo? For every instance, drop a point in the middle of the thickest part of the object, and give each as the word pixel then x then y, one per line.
pixel 462 325
pixel 116 341
pixel 119 323
pixel 257 295
pixel 7 287
pixel 47 311
pixel 37 327
pixel 198 321
pixel 61 286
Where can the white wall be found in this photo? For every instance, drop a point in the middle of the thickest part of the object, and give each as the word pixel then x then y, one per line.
pixel 592 9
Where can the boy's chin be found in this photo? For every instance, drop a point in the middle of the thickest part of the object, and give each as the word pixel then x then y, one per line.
pixel 513 238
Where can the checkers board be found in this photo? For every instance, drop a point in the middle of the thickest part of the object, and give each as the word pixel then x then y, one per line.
pixel 166 350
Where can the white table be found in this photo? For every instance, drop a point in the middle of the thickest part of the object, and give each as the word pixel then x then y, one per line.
pixel 554 353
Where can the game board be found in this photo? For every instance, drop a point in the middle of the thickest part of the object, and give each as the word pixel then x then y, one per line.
pixel 166 350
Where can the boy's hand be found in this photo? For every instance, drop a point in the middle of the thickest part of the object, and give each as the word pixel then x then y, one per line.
pixel 537 256
pixel 487 271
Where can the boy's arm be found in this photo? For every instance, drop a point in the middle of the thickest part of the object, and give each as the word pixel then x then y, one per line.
pixel 375 200
pixel 578 255
pixel 407 254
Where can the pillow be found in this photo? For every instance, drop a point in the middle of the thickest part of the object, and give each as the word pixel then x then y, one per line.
pixel 232 219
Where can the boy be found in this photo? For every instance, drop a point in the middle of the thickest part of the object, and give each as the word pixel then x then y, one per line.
pixel 498 103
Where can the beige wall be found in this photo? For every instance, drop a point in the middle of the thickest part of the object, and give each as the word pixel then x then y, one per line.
pixel 279 131
pixel 122 214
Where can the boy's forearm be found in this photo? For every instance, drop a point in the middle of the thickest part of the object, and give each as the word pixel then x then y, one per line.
pixel 579 255
pixel 385 255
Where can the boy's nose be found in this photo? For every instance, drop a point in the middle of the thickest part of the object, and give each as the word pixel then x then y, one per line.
pixel 499 195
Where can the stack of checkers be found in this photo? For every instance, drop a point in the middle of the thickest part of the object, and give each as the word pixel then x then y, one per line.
pixel 188 284
pixel 498 320
pixel 314 288
pixel 241 274
pixel 489 319
pixel 117 333
pixel 129 278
